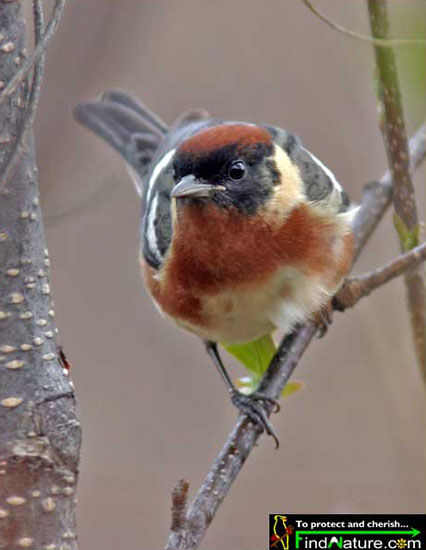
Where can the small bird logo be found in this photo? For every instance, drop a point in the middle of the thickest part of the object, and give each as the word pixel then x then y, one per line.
pixel 282 532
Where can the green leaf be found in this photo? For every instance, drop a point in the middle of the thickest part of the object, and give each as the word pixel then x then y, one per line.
pixel 248 384
pixel 400 227
pixel 292 387
pixel 255 355
pixel 409 239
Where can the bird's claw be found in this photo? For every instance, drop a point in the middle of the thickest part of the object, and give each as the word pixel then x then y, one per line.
pixel 323 319
pixel 253 406
pixel 276 407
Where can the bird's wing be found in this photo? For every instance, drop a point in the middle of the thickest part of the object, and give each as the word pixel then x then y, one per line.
pixel 147 145
pixel 156 229
pixel 320 184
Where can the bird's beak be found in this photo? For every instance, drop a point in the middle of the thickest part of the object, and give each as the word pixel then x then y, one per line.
pixel 190 186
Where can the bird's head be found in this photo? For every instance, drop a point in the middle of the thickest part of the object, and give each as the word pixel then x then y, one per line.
pixel 232 165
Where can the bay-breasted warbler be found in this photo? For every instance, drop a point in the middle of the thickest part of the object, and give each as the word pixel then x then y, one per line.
pixel 243 230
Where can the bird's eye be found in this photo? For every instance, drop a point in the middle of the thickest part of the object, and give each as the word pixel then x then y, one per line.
pixel 237 170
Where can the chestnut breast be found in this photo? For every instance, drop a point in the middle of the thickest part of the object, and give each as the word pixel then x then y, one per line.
pixel 217 252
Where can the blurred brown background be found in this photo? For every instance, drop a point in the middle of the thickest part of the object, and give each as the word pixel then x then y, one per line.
pixel 152 407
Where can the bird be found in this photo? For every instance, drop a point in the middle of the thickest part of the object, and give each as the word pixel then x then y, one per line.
pixel 243 230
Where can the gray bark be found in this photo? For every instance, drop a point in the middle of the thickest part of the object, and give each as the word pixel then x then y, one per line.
pixel 39 431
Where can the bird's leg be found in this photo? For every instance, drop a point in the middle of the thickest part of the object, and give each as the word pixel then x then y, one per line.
pixel 252 405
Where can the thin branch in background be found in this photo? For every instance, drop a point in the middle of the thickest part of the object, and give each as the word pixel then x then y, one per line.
pixel 245 434
pixel 19 76
pixel 377 195
pixel 36 59
pixel 362 37
pixel 396 144
pixel 82 205
pixel 34 94
pixel 356 288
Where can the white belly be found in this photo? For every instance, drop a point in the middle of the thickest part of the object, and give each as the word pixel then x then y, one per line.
pixel 242 315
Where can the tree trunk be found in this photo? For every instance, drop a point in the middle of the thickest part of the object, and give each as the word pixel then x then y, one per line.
pixel 39 432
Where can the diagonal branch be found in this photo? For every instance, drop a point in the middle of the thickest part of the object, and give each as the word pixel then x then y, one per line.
pixel 396 144
pixel 238 446
pixel 356 288
pixel 245 434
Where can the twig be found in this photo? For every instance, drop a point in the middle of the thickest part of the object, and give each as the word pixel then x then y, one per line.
pixel 34 95
pixel 363 37
pixel 19 76
pixel 245 434
pixel 179 505
pixel 356 288
pixel 395 137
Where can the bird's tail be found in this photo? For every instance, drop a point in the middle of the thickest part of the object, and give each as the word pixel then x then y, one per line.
pixel 128 126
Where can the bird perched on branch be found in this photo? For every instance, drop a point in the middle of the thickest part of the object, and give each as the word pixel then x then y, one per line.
pixel 243 230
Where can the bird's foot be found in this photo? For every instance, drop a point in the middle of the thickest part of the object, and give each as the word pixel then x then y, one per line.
pixel 323 319
pixel 255 406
